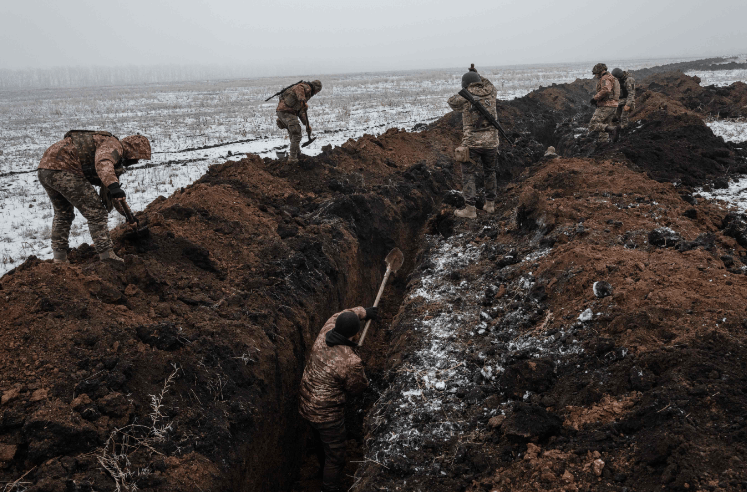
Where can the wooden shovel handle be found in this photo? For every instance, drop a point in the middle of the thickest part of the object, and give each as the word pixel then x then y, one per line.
pixel 376 303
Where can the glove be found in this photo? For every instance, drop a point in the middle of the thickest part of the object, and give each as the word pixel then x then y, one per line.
pixel 626 108
pixel 115 191
pixel 593 102
pixel 372 313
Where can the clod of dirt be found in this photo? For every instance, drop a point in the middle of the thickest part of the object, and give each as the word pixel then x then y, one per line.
pixel 529 421
pixel 602 289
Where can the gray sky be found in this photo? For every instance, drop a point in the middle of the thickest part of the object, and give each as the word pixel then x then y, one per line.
pixel 326 36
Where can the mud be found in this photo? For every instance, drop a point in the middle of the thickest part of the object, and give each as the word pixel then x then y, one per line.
pixel 497 367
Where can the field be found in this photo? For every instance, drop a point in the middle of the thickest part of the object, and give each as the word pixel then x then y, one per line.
pixel 194 125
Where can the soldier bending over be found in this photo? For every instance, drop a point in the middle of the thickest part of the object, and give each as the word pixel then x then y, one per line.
pixel 291 108
pixel 69 169
pixel 333 370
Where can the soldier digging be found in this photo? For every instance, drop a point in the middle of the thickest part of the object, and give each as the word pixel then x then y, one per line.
pixel 333 370
pixel 292 108
pixel 69 169
pixel 479 141
pixel 627 96
pixel 605 100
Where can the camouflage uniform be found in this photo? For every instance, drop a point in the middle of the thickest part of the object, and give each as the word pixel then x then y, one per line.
pixel 607 97
pixel 627 98
pixel 330 373
pixel 293 104
pixel 69 168
pixel 481 138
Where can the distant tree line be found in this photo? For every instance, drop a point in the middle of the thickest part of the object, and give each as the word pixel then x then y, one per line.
pixel 61 77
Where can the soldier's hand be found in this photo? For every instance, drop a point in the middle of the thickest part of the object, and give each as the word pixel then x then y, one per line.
pixel 626 108
pixel 372 313
pixel 593 102
pixel 115 191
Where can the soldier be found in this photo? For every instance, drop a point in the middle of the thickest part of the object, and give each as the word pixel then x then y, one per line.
pixel 627 96
pixel 333 370
pixel 67 172
pixel 605 100
pixel 479 141
pixel 291 108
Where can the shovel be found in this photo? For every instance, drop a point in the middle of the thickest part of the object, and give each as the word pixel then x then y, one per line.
pixel 394 261
pixel 137 231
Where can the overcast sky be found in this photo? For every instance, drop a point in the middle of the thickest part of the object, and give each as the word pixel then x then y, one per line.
pixel 331 36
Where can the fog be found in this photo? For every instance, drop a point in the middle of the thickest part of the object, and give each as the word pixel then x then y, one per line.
pixel 338 36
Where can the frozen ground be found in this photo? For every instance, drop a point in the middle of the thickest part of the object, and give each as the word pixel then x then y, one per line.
pixel 194 125
pixel 734 130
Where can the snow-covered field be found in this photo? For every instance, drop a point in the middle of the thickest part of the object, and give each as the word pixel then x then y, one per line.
pixel 194 125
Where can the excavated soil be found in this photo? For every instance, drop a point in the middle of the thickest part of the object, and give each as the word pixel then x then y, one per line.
pixel 179 370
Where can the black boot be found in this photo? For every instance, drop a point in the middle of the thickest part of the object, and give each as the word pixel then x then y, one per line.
pixel 614 132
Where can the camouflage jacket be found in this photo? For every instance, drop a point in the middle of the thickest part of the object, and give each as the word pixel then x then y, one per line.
pixel 330 373
pixel 627 91
pixel 608 91
pixel 477 133
pixel 294 99
pixel 63 156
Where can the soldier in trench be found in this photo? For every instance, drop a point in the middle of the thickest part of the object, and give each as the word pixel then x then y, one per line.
pixel 332 371
pixel 292 108
pixel 479 141
pixel 68 171
pixel 605 100
pixel 627 96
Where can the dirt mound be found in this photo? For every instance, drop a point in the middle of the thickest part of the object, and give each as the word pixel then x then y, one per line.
pixel 706 64
pixel 179 370
pixel 718 102
pixel 510 373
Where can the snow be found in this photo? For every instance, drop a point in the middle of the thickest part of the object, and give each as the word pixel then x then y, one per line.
pixel 719 78
pixel 733 130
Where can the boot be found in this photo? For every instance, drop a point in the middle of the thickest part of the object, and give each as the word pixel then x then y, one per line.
pixel 60 256
pixel 468 212
pixel 614 132
pixel 110 255
pixel 489 207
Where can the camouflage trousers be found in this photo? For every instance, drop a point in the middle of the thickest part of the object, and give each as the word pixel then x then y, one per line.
pixel 293 125
pixel 601 120
pixel 67 190
pixel 623 116
pixel 331 453
pixel 488 157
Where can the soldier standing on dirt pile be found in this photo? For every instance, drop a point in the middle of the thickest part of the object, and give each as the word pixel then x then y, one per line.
pixel 479 141
pixel 627 96
pixel 67 172
pixel 605 100
pixel 291 108
pixel 332 370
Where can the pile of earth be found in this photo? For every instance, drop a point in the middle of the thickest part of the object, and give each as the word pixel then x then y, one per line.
pixel 590 336
pixel 179 369
pixel 707 64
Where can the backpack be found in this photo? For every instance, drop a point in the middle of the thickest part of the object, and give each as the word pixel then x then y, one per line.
pixel 86 149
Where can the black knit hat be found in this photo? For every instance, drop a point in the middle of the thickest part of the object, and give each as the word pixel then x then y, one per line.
pixel 347 324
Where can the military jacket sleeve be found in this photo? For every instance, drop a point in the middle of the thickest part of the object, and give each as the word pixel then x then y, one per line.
pixel 355 377
pixel 108 153
pixel 458 103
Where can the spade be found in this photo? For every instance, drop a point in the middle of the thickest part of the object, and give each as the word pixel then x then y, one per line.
pixel 394 261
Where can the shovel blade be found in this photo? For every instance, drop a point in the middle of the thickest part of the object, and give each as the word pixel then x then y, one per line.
pixel 308 143
pixel 394 259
